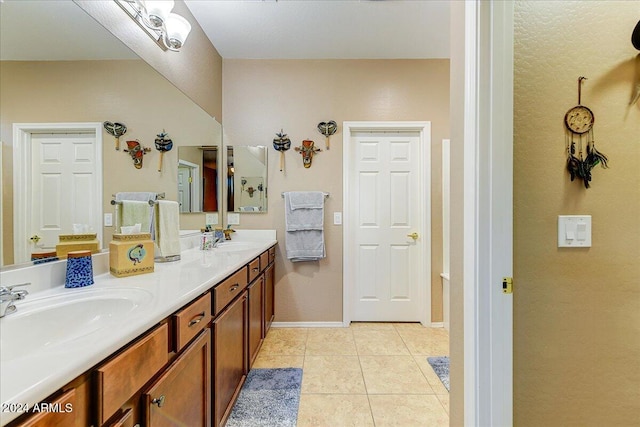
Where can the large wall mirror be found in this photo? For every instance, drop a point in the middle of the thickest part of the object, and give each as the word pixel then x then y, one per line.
pixel 86 75
pixel 198 187
pixel 247 179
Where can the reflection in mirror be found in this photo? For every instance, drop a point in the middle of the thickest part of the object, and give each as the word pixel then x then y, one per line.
pixel 247 179
pixel 86 75
pixel 198 179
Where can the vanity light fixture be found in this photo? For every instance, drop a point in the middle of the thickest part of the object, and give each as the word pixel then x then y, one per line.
pixel 168 30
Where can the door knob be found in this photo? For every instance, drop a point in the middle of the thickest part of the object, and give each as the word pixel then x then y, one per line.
pixel 35 238
pixel 413 235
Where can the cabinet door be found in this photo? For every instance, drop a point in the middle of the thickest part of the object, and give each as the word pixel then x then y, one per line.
pixel 229 357
pixel 181 395
pixel 269 295
pixel 256 317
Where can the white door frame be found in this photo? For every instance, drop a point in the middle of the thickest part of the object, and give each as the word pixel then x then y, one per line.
pixel 488 213
pixel 348 272
pixel 196 199
pixel 22 185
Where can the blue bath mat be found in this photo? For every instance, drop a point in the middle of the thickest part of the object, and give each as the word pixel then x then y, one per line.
pixel 269 398
pixel 440 366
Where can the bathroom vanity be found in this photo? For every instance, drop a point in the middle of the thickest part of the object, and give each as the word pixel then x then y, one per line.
pixel 171 347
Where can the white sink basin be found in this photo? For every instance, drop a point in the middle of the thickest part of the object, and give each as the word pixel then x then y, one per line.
pixel 233 246
pixel 48 322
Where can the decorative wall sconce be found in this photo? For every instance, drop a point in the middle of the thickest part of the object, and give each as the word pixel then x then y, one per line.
pixel 168 30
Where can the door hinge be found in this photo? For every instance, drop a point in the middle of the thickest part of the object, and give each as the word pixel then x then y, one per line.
pixel 507 285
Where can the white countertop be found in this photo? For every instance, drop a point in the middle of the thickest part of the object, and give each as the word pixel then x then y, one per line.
pixel 32 376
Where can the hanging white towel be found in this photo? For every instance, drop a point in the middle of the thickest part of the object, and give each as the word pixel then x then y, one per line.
pixel 134 212
pixel 148 226
pixel 168 228
pixel 304 210
pixel 304 225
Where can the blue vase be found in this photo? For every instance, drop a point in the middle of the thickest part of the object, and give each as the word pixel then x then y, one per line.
pixel 79 269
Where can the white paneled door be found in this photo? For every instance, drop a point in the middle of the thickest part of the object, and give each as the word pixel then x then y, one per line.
pixel 64 181
pixel 388 234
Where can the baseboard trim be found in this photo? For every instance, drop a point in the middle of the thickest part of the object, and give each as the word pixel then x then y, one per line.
pixel 307 325
pixel 437 324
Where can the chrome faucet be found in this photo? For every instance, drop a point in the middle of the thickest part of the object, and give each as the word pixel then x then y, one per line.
pixel 8 296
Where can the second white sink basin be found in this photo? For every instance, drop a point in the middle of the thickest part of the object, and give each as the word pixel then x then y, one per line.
pixel 233 246
pixel 53 321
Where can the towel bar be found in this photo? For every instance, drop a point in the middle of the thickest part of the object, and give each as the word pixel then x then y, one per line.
pixel 325 194
pixel 151 202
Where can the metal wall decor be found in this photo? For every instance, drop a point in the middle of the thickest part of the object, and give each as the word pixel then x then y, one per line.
pixel 579 122
pixel 137 152
pixel 163 144
pixel 307 150
pixel 116 130
pixel 327 129
pixel 282 143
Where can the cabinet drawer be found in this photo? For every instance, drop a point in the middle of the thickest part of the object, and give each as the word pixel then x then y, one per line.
pixel 230 288
pixel 189 321
pixel 254 269
pixel 272 254
pixel 121 377
pixel 62 417
pixel 264 260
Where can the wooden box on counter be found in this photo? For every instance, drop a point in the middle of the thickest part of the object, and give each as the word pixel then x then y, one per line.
pixel 131 254
pixel 77 242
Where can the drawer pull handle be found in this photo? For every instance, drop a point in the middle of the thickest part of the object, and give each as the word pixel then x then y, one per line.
pixel 234 287
pixel 159 401
pixel 196 319
pixel 255 269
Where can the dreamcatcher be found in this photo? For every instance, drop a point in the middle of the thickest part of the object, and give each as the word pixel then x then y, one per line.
pixel 579 123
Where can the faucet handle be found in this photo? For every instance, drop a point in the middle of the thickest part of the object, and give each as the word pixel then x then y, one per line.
pixel 10 287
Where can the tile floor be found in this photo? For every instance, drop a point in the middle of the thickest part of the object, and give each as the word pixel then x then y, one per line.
pixel 371 374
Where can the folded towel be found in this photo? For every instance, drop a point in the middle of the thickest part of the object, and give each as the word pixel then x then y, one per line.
pixel 305 199
pixel 134 212
pixel 141 196
pixel 168 228
pixel 303 218
pixel 305 245
pixel 304 224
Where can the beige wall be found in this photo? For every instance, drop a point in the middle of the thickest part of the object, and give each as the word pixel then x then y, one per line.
pixel 576 311
pixel 128 91
pixel 196 69
pixel 262 96
pixel 456 249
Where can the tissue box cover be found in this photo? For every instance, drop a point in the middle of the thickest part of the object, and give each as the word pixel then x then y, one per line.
pixel 131 254
pixel 77 242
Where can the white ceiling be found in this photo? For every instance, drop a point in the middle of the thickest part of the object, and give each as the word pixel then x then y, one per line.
pixel 283 29
pixel 319 29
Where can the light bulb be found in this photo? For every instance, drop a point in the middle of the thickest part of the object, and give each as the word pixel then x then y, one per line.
pixel 158 11
pixel 178 29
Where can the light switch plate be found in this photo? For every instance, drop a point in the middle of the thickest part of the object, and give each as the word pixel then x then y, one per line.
pixel 233 218
pixel 337 218
pixel 108 220
pixel 574 231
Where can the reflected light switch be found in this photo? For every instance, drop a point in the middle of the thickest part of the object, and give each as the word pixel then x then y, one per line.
pixel 574 231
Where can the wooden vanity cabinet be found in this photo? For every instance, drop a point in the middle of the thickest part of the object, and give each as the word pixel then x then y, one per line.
pixel 256 317
pixel 180 396
pixel 62 413
pixel 269 297
pixel 229 357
